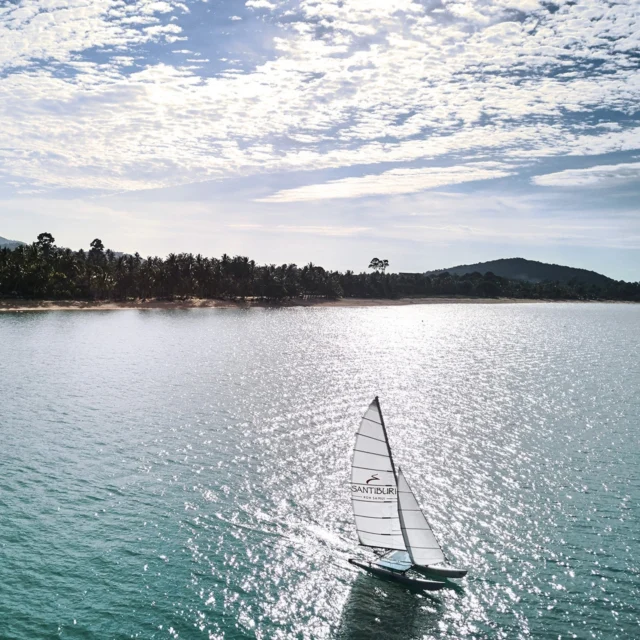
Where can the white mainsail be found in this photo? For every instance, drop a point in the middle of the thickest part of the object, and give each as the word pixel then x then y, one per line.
pixel 374 493
pixel 421 544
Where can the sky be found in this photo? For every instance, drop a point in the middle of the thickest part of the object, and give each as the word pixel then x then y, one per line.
pixel 428 132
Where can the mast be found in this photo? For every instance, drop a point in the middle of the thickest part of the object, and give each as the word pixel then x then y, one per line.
pixel 386 439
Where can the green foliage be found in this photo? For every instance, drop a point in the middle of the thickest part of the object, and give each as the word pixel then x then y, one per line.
pixel 44 271
pixel 379 265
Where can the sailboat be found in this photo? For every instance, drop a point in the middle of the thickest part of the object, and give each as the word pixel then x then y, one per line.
pixel 387 514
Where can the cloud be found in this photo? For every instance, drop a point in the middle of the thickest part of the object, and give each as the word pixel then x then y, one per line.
pixel 32 31
pixel 393 182
pixel 260 4
pixel 345 84
pixel 314 230
pixel 599 176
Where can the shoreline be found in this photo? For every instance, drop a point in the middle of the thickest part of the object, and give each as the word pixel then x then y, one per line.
pixel 200 303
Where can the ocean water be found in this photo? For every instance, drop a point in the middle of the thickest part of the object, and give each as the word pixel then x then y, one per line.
pixel 184 474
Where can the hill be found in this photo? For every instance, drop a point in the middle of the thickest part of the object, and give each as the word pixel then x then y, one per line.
pixel 530 271
pixel 9 244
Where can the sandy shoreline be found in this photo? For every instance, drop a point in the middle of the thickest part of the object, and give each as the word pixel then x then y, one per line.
pixel 196 303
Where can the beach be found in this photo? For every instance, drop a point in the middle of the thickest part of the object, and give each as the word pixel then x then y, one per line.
pixel 206 303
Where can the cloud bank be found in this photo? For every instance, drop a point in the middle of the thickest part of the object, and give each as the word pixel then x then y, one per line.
pixel 395 181
pixel 598 176
pixel 93 99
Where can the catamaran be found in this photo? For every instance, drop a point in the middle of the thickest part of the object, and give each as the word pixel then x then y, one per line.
pixel 387 514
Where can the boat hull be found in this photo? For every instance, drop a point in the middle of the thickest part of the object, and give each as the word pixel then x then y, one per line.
pixel 415 583
pixel 442 572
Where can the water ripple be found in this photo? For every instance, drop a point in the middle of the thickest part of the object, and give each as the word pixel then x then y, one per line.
pixel 184 474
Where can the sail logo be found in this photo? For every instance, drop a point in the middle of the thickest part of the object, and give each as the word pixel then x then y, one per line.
pixel 369 492
pixel 372 478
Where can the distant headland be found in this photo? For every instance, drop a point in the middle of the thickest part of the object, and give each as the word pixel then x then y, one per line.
pixel 42 275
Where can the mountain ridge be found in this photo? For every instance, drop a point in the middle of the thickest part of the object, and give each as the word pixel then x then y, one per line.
pixel 10 244
pixel 529 271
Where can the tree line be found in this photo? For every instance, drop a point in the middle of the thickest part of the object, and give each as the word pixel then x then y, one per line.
pixel 43 270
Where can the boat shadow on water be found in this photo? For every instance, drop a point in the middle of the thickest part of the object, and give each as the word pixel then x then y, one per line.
pixel 379 608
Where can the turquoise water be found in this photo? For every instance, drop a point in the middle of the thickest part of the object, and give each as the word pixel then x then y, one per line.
pixel 185 473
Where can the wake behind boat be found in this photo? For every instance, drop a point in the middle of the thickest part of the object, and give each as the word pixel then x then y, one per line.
pixel 387 514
